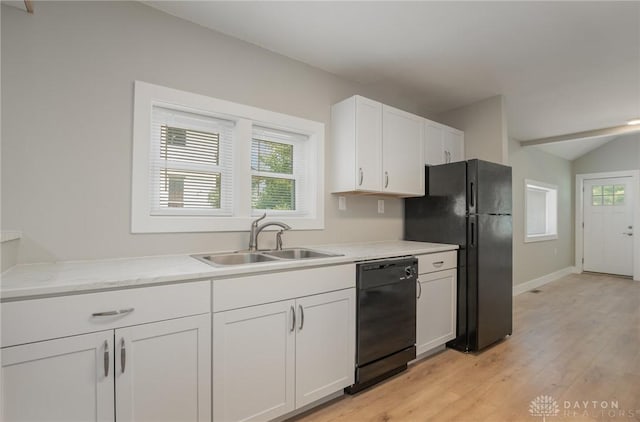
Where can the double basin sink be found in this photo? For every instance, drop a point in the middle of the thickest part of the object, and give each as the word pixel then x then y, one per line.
pixel 245 258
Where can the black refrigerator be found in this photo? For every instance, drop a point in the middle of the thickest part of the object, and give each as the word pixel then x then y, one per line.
pixel 468 203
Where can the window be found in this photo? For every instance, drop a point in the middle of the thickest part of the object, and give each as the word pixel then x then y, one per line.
pixel 191 164
pixel 603 195
pixel 203 164
pixel 277 171
pixel 541 211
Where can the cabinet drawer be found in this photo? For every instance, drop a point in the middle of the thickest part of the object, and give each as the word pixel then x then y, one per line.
pixel 437 261
pixel 240 292
pixel 41 319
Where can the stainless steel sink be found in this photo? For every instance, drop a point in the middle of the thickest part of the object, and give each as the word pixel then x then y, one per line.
pixel 246 258
pixel 299 253
pixel 236 258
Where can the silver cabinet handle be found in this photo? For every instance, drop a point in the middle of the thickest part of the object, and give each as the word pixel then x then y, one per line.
pixel 301 316
pixel 361 177
pixel 113 313
pixel 438 263
pixel 123 355
pixel 293 320
pixel 106 358
pixel 386 179
pixel 419 289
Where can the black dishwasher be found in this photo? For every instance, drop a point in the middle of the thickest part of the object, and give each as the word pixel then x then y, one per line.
pixel 385 319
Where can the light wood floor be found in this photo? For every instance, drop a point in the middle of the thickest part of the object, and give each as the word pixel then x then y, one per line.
pixel 576 340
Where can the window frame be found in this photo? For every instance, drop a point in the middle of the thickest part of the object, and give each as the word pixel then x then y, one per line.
pixel 245 117
pixel 551 211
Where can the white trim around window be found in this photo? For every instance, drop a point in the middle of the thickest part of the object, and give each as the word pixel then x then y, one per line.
pixel 244 119
pixel 540 211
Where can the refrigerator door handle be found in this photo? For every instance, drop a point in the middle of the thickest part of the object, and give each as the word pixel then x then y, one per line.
pixel 473 233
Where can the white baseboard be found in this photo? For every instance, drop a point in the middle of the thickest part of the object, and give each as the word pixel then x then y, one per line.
pixel 540 281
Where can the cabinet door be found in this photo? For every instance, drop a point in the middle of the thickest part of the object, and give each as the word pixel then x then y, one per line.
pixel 325 344
pixel 368 145
pixel 403 167
pixel 68 379
pixel 453 142
pixel 163 370
pixel 436 309
pixel 433 144
pixel 253 362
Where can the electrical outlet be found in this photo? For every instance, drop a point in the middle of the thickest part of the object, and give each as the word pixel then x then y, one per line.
pixel 380 206
pixel 342 203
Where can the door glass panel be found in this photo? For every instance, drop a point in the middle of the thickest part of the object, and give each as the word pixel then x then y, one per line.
pixel 608 199
pixel 607 190
pixel 596 200
pixel 618 199
pixel 596 190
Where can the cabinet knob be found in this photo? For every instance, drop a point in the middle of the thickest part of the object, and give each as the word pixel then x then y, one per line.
pixel 386 179
pixel 361 176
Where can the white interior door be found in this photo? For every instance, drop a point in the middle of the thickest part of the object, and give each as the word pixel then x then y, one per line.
pixel 608 225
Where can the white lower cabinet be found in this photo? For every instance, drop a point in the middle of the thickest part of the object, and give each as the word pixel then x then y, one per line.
pixel 68 379
pixel 435 309
pixel 271 359
pixel 151 372
pixel 130 355
pixel 162 371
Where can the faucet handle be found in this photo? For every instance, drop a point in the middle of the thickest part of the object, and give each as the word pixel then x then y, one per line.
pixel 279 239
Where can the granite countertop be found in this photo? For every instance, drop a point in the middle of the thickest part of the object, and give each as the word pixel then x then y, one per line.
pixel 37 280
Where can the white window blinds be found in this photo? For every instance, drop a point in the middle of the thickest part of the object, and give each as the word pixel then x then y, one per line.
pixel 191 167
pixel 278 171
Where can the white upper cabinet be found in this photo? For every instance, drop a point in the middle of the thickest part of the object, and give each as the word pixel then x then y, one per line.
pixel 443 144
pixel 376 149
pixel 403 169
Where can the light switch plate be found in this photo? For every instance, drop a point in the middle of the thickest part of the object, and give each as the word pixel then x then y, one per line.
pixel 342 203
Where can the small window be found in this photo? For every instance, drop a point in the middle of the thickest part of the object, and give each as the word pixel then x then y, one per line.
pixel 191 163
pixel 541 211
pixel 277 171
pixel 607 195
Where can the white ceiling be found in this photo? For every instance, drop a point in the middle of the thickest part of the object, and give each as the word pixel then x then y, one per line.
pixel 563 67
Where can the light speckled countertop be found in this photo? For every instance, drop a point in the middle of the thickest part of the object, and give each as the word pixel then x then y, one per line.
pixel 36 280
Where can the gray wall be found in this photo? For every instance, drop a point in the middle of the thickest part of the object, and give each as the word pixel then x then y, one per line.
pixel 67 93
pixel 536 259
pixel 622 153
pixel 485 129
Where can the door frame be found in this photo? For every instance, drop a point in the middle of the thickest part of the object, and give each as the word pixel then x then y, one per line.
pixel 579 206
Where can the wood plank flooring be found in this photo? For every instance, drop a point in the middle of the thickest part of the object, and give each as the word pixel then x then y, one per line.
pixel 577 340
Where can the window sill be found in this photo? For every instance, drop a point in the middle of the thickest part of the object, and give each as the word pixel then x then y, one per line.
pixel 171 224
pixel 8 235
pixel 540 238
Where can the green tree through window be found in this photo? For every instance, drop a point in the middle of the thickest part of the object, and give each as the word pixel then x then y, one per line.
pixel 272 184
